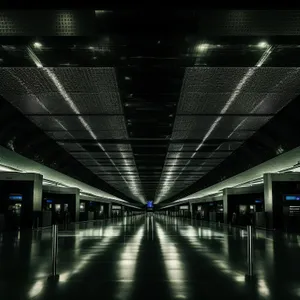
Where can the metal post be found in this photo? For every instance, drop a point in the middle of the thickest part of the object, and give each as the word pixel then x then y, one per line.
pixel 54 275
pixel 250 251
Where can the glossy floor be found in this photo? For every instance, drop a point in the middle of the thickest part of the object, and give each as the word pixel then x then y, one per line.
pixel 149 258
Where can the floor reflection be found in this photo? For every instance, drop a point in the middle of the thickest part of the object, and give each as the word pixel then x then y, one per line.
pixel 173 264
pixel 153 257
pixel 126 264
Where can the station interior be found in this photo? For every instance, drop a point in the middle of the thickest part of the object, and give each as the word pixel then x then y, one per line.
pixel 149 154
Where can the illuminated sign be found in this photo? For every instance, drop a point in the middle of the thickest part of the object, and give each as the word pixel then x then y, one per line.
pixel 150 204
pixel 292 197
pixel 116 207
pixel 15 197
pixel 184 207
pixel 258 201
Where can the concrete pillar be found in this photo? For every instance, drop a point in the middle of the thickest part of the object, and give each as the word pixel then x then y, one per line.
pixel 191 210
pixel 109 209
pixel 268 198
pixel 225 205
pixel 37 192
pixel 77 204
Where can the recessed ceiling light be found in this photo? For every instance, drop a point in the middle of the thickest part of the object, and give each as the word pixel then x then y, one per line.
pixel 202 47
pixel 263 44
pixel 37 45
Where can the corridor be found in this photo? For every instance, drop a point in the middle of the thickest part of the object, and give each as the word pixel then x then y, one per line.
pixel 148 257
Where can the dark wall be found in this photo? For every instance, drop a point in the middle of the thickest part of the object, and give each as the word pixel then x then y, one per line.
pixel 25 188
pixel 69 199
pixel 279 189
pixel 244 199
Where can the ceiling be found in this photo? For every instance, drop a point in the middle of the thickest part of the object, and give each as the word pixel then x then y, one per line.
pixel 150 102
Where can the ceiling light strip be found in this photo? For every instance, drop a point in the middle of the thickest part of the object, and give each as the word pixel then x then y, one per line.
pixel 230 101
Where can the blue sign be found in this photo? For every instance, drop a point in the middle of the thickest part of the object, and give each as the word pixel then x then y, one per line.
pixel 293 197
pixel 49 201
pixel 15 197
pixel 258 201
pixel 150 204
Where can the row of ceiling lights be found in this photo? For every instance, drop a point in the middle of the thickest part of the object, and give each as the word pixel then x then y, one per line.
pixel 200 47
pixel 204 47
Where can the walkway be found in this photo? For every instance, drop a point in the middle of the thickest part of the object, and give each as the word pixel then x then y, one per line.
pixel 149 258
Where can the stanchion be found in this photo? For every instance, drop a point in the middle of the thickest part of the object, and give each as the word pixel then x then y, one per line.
pixel 250 274
pixel 54 276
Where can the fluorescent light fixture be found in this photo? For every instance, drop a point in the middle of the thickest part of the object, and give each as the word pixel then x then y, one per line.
pixel 37 45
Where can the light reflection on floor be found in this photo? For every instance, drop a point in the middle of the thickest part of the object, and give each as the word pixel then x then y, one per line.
pixel 189 261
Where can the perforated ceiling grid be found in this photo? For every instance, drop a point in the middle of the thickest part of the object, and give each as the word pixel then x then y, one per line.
pixel 219 91
pixel 55 104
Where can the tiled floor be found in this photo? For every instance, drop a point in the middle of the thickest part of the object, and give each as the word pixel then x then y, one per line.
pixel 149 258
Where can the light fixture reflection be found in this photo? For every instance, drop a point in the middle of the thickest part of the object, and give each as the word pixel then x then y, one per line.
pixel 173 264
pixel 36 289
pixel 127 264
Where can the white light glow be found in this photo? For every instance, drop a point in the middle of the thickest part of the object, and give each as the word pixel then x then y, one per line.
pixel 202 47
pixel 128 262
pixel 36 289
pixel 8 169
pixel 37 45
pixel 263 44
pixel 173 264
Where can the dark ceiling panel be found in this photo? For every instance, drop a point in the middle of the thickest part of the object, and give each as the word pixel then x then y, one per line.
pixel 46 22
pixel 155 100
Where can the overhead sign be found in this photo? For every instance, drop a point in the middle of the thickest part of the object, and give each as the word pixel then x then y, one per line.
pixel 15 197
pixel 184 207
pixel 150 204
pixel 292 197
pixel 115 207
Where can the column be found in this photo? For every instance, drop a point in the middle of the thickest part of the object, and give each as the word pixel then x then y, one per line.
pixel 109 209
pixel 268 198
pixel 77 204
pixel 225 206
pixel 191 210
